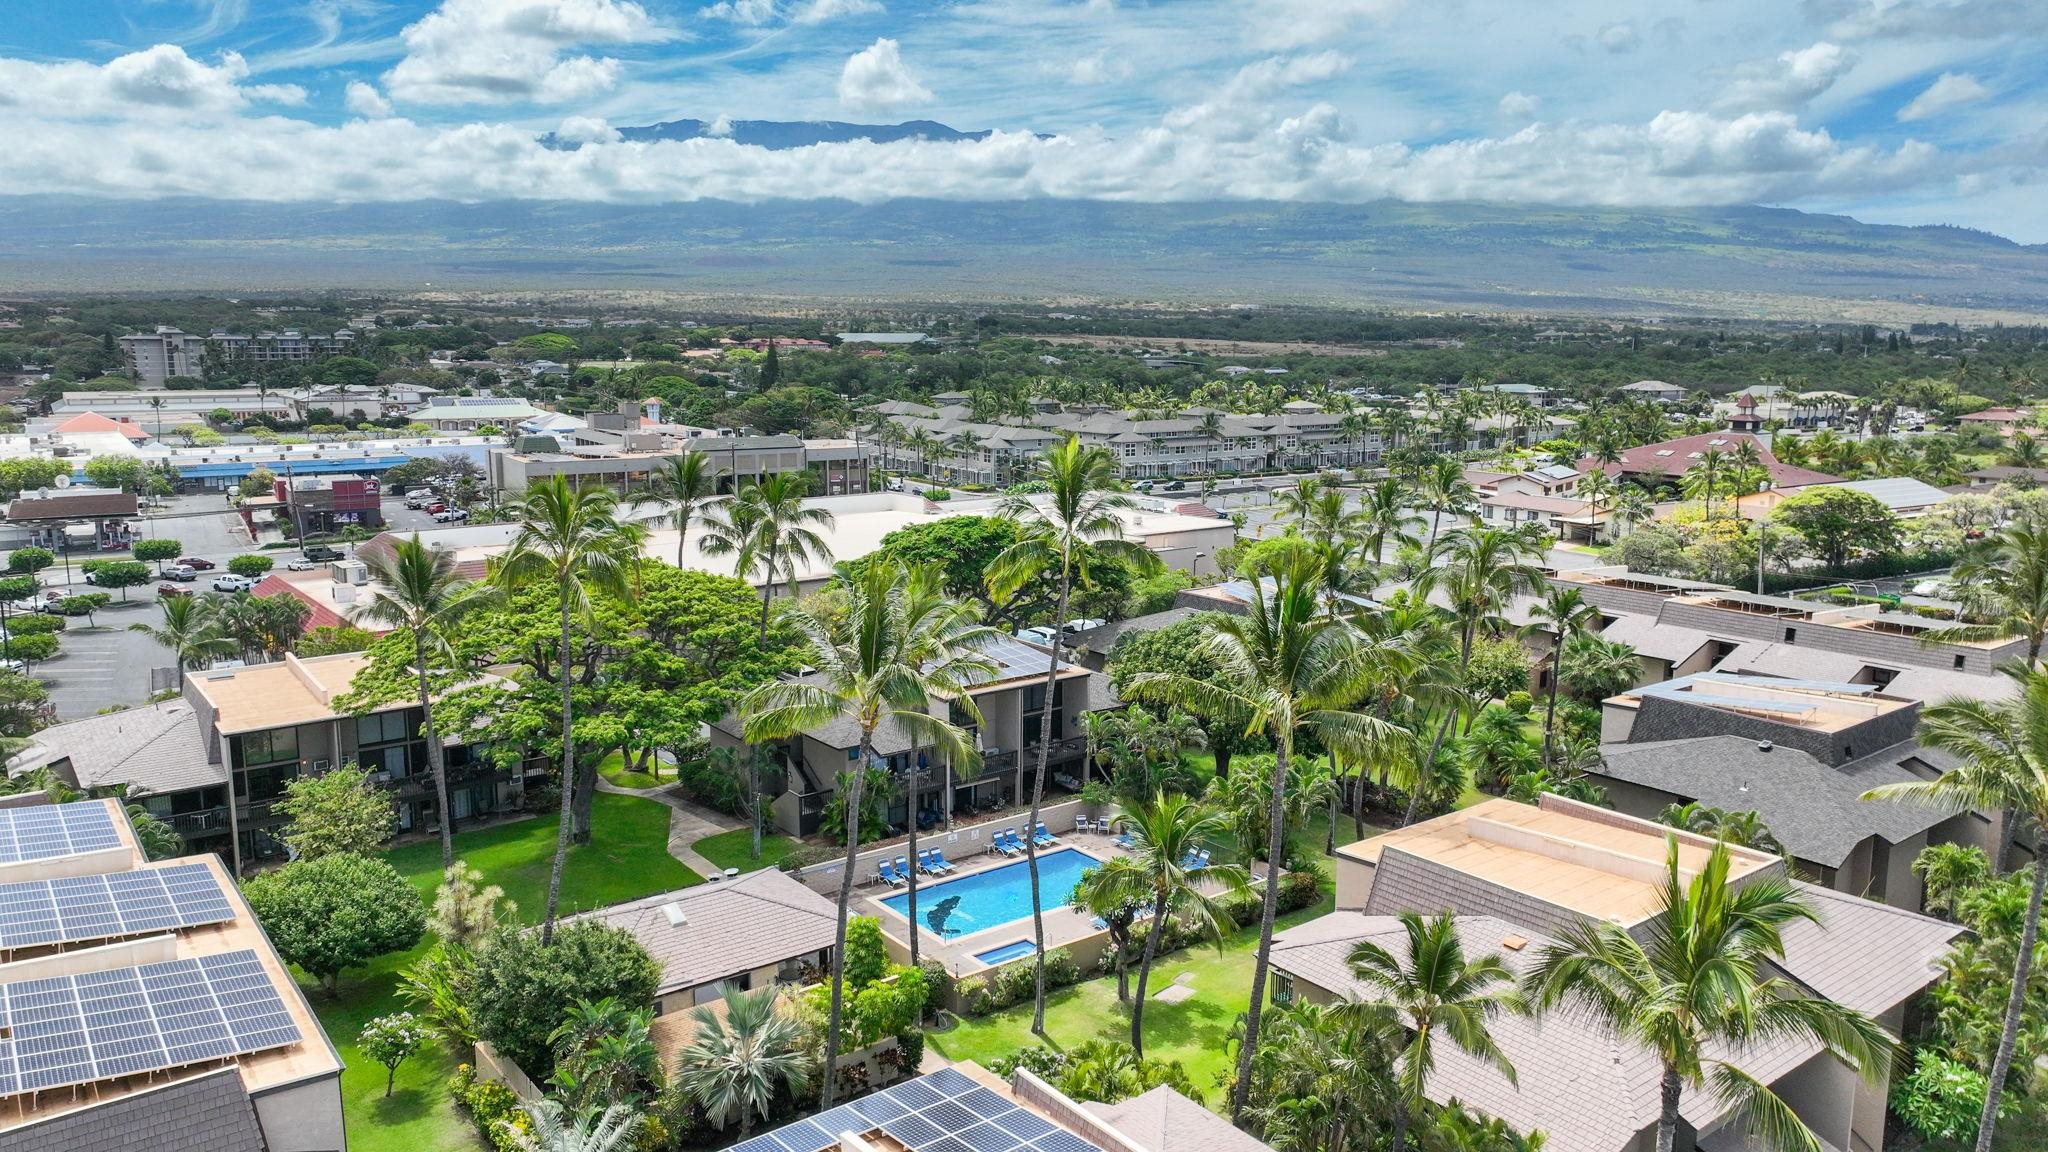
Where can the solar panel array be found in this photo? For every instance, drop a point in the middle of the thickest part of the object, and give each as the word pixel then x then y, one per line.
pixel 49 830
pixel 1014 656
pixel 942 1112
pixel 119 904
pixel 97 1025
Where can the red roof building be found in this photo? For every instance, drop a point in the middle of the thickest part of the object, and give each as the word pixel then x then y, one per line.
pixel 1667 460
pixel 86 422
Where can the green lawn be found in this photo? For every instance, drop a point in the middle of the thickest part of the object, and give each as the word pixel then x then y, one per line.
pixel 627 858
pixel 1192 1032
pixel 735 849
pixel 613 768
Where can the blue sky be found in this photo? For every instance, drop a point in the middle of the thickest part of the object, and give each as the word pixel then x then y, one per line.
pixel 1908 111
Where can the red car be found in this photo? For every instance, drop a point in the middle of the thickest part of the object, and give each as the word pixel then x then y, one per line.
pixel 197 564
pixel 169 589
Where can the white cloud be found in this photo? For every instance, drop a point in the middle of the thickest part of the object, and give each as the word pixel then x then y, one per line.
pixel 755 13
pixel 741 11
pixel 1519 106
pixel 501 51
pixel 1951 91
pixel 876 79
pixel 159 80
pixel 1620 37
pixel 1098 68
pixel 364 100
pixel 821 11
pixel 586 130
pixel 1929 19
pixel 1788 81
pixel 1243 106
pixel 1288 24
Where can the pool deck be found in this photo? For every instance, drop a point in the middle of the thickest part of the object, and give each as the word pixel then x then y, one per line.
pixel 1063 926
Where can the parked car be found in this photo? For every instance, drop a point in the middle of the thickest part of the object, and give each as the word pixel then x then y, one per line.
pixel 172 590
pixel 181 572
pixel 451 515
pixel 232 583
pixel 895 483
pixel 18 667
pixel 321 553
pixel 301 565
pixel 1176 485
pixel 197 563
pixel 436 507
pixel 1037 635
pixel 50 596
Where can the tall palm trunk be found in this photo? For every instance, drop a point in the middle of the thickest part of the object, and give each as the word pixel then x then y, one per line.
pixel 1145 973
pixel 1052 673
pixel 1550 712
pixel 436 762
pixel 1330 840
pixel 1436 745
pixel 1399 1140
pixel 1667 1119
pixel 753 761
pixel 851 808
pixel 910 814
pixel 547 928
pixel 1269 905
pixel 2008 1037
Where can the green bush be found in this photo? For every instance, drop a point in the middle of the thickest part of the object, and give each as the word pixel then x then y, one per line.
pixel 911 1043
pixel 34 624
pixel 493 1107
pixel 522 990
pixel 1016 982
pixel 805 855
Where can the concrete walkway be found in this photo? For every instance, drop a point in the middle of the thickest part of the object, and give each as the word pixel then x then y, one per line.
pixel 687 823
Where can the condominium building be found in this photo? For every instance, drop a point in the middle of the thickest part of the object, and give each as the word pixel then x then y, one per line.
pixel 153 357
pixel 141 1005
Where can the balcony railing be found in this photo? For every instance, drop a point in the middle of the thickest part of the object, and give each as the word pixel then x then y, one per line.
pixel 205 823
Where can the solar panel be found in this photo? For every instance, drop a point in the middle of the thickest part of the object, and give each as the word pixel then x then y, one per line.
pixel 55 830
pixel 77 908
pixel 97 1025
pixel 944 1111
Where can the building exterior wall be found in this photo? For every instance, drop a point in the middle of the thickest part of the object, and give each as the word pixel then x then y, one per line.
pixel 1823 1093
pixel 303 1117
pixel 1354 882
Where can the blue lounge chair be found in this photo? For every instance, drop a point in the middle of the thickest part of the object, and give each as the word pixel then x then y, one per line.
pixel 1123 839
pixel 1006 841
pixel 924 861
pixel 1189 861
pixel 889 874
pixel 939 859
pixel 903 868
pixel 1202 859
pixel 1043 837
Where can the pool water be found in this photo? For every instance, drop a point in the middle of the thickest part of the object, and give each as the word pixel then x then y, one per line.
pixel 1010 951
pixel 996 897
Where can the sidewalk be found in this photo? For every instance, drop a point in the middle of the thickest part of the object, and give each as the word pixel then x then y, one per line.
pixel 687 823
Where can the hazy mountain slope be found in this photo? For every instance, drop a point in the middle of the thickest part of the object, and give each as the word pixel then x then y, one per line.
pixel 1733 261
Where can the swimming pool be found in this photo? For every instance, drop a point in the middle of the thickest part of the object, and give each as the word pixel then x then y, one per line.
pixel 995 897
pixel 1011 951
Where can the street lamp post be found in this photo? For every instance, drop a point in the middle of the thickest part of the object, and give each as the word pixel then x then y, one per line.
pixel 1763 527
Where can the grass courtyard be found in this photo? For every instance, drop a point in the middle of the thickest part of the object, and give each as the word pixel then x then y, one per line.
pixel 735 849
pixel 613 769
pixel 626 858
pixel 1192 1032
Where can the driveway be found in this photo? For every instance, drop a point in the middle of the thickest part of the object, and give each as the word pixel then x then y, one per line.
pixel 103 665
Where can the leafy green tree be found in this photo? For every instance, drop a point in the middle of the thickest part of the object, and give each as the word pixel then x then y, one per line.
pixel 1947 872
pixel 1434 990
pixel 392 1040
pixel 122 574
pixel 158 550
pixel 2004 751
pixel 1700 980
pixel 2005 583
pixel 1105 1071
pixel 1498 667
pixel 739 1059
pixel 332 639
pixel 337 812
pixel 24 705
pixel 1075 523
pixel 555 1130
pixel 416 590
pixel 1746 828
pixel 251 565
pixel 337 912
pixel 30 560
pixel 1290 668
pixel 190 631
pixel 524 987
pixel 571 542
pixel 1592 669
pixel 1837 521
pixel 120 472
pixel 30 649
pixel 26 473
pixel 1319 1081
pixel 159 840
pixel 466 910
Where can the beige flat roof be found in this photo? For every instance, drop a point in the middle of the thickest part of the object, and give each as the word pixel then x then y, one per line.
pixel 291 691
pixel 1601 869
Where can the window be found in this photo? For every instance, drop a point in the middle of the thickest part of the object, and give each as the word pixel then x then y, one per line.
pixel 1959 661
pixel 1791 635
pixel 381 728
pixel 270 747
pixel 1283 988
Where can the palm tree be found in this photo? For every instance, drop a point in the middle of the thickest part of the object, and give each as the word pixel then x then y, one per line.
pixel 1563 613
pixel 571 543
pixel 768 531
pixel 1433 988
pixel 1298 502
pixel 556 1131
pixel 684 484
pixel 1947 871
pixel 1634 506
pixel 417 589
pixel 2006 581
pixel 1699 981
pixel 1444 487
pixel 1598 490
pixel 1166 831
pixel 1387 518
pixel 1075 526
pixel 2004 751
pixel 738 1058
pixel 1594 669
pixel 1746 828
pixel 190 631
pixel 868 666
pixel 1289 668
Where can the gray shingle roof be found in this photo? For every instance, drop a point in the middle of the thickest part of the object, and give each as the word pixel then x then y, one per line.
pixel 1863 954
pixel 1812 808
pixel 1769 658
pixel 1935 685
pixel 206 1113
pixel 730 927
pixel 155 749
pixel 1656 640
pixel 1163 1120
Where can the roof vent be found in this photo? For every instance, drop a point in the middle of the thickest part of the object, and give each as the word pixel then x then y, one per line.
pixel 1514 943
pixel 674 912
pixel 1764 745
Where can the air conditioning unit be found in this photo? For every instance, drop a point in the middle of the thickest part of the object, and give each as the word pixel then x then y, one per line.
pixel 321 766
